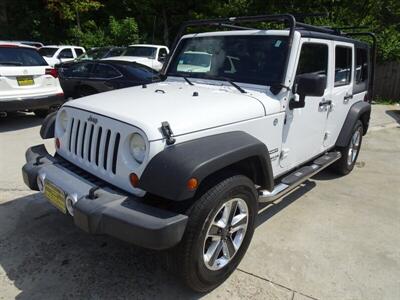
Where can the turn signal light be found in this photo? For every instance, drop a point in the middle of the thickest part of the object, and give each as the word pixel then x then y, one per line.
pixel 134 179
pixel 192 184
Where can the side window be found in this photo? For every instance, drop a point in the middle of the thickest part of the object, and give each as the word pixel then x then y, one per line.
pixel 361 72
pixel 162 54
pixel 313 59
pixel 78 52
pixel 342 65
pixel 65 53
pixel 105 71
pixel 79 70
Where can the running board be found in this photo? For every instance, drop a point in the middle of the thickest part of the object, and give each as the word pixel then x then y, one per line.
pixel 293 180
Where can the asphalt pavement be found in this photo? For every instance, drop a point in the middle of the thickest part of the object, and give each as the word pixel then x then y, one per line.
pixel 333 238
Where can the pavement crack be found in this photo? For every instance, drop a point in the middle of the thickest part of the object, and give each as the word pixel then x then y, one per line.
pixel 278 284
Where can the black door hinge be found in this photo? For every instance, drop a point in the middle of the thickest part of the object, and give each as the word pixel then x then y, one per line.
pixel 167 133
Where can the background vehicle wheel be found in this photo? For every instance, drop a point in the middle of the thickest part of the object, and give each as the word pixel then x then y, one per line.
pixel 218 233
pixel 41 113
pixel 84 91
pixel 350 153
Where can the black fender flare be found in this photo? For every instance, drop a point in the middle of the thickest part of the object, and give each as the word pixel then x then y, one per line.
pixel 48 126
pixel 167 173
pixel 358 111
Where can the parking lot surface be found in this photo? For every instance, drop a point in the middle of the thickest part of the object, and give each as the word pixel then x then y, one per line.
pixel 333 238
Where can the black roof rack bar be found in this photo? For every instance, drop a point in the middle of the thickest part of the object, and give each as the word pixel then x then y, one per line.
pixel 231 26
pixel 232 21
pixel 373 58
pixel 316 28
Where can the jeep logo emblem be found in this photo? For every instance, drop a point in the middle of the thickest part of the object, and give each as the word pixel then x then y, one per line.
pixel 92 119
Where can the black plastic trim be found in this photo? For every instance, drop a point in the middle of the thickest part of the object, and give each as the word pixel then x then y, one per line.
pixel 357 110
pixel 32 103
pixel 167 173
pixel 111 211
pixel 48 126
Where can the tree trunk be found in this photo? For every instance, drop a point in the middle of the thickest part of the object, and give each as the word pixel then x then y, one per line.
pixel 166 29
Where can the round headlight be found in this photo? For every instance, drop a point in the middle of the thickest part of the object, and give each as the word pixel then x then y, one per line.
pixel 138 147
pixel 63 119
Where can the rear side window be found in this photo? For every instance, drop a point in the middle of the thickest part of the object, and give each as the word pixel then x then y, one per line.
pixel 139 72
pixel 20 57
pixel 342 65
pixel 65 53
pixel 79 70
pixel 313 59
pixel 48 52
pixel 105 71
pixel 78 52
pixel 115 52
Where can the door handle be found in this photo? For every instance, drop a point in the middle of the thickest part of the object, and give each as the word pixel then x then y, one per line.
pixel 325 102
pixel 347 98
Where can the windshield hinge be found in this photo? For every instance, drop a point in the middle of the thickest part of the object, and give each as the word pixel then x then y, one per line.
pixel 167 133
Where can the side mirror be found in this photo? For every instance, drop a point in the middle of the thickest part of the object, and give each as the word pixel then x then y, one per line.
pixel 309 84
pixel 162 58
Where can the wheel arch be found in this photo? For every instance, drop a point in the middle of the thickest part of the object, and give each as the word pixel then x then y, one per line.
pixel 358 111
pixel 206 159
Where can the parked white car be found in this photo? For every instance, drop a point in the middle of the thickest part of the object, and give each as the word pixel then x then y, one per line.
pixel 26 81
pixel 60 54
pixel 152 56
pixel 183 164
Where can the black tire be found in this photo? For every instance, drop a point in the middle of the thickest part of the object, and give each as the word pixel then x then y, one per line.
pixel 42 113
pixel 346 164
pixel 84 91
pixel 187 257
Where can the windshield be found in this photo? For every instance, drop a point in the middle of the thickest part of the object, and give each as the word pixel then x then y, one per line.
pixel 94 54
pixel 256 59
pixel 20 57
pixel 48 52
pixel 141 51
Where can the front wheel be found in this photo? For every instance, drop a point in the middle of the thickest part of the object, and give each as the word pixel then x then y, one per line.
pixel 218 233
pixel 350 153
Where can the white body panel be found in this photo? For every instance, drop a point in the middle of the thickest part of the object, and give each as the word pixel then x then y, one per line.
pixel 211 107
pixel 54 59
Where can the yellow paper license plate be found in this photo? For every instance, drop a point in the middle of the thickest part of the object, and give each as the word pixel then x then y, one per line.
pixel 25 80
pixel 55 196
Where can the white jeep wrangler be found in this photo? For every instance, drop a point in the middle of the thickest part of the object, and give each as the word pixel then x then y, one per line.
pixel 182 164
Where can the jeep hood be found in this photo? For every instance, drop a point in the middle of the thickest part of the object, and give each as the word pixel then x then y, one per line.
pixel 186 108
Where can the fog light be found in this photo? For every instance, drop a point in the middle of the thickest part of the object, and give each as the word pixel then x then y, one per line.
pixel 70 202
pixel 134 179
pixel 40 182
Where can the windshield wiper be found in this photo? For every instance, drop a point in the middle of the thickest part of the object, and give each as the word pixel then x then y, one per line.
pixel 228 80
pixel 187 80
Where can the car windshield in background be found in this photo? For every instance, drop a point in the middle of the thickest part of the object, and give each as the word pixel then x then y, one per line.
pixel 15 56
pixel 94 54
pixel 48 52
pixel 149 52
pixel 256 59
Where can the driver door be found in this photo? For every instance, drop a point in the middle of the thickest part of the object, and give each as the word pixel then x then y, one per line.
pixel 304 128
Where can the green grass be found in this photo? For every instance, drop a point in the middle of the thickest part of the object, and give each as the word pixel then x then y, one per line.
pixel 380 100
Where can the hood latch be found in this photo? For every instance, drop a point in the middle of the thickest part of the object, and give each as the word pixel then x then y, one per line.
pixel 167 133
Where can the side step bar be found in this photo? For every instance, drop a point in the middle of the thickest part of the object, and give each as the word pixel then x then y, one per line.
pixel 293 180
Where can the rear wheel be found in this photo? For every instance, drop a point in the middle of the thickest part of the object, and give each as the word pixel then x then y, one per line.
pixel 218 233
pixel 350 153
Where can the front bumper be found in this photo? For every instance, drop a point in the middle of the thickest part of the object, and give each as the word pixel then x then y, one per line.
pixel 112 212
pixel 42 102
